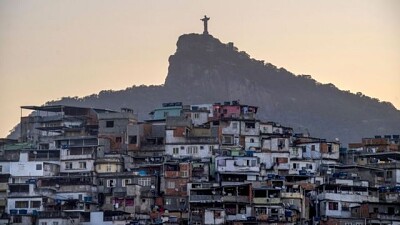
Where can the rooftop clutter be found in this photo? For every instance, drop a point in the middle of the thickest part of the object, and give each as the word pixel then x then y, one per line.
pixel 190 164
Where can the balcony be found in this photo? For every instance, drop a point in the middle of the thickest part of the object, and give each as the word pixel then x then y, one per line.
pixel 235 199
pixel 236 217
pixel 205 198
pixel 291 195
pixel 3 186
pixel 57 214
pixel 389 197
pixel 202 185
pixel 266 200
pixel 384 216
pixel 197 140
pixel 351 197
pixel 76 157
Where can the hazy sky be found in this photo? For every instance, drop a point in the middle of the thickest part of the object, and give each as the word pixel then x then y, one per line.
pixel 50 49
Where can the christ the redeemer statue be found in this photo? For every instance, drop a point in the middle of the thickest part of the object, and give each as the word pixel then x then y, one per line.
pixel 205 20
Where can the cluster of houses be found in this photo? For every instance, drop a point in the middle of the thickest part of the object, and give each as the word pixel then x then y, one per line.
pixel 190 164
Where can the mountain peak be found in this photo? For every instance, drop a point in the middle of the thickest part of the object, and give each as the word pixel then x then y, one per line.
pixel 205 70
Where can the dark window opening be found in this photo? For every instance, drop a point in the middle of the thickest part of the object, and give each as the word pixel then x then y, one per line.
pixel 118 139
pixel 250 125
pixel 133 139
pixel 38 166
pixel 110 123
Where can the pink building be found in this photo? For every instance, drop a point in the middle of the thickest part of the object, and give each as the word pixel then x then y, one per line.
pixel 233 110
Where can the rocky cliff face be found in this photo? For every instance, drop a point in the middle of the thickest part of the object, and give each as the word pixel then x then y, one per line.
pixel 204 70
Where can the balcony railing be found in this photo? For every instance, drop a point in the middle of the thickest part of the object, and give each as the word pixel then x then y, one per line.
pixel 3 186
pixel 205 198
pixel 291 195
pixel 235 199
pixel 72 157
pixel 237 217
pixel 266 200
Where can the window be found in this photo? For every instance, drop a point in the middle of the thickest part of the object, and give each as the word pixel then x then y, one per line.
pixel 118 139
pixel 38 166
pixel 55 223
pixel 261 211
pixel 333 206
pixel 165 114
pixel 235 125
pixel 36 204
pixel 227 140
pixel 111 183
pixel 303 149
pixel 145 181
pixel 43 223
pixel 281 143
pixel 133 140
pixel 175 151
pixel 170 184
pixel 182 147
pixel 17 219
pixel 201 147
pixel 125 182
pixel 108 169
pixel 389 174
pixel 143 200
pixel 184 174
pixel 110 123
pixel 21 204
pixel 1 168
pixel 210 149
pixel 82 165
pixel 250 125
pixel 294 165
pixel 251 140
pixel 192 150
pixel 168 201
pixel 68 165
pixel 345 206
pixel 196 116
pixel 312 147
